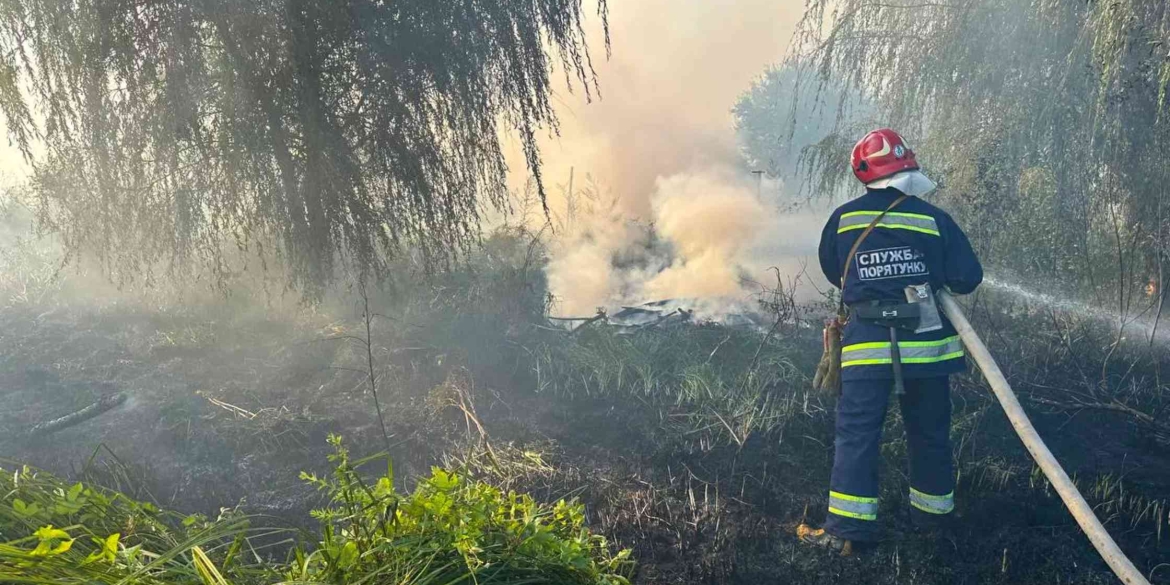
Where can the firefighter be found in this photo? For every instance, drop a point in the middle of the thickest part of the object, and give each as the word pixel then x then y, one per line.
pixel 884 250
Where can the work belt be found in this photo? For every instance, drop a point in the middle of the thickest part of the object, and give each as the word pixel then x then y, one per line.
pixel 894 315
pixel 897 314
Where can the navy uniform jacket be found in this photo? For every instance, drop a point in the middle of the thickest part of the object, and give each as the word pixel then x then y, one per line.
pixel 914 243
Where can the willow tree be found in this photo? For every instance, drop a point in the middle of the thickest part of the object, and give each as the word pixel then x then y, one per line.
pixel 320 133
pixel 1045 120
pixel 785 111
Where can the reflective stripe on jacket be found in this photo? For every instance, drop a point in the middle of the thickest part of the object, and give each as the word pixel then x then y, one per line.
pixel 914 243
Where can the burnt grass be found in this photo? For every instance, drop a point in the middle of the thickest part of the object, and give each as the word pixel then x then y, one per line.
pixel 226 411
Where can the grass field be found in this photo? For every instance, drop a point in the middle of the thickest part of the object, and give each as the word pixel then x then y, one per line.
pixel 696 447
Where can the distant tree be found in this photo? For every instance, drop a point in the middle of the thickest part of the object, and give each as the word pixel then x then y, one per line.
pixel 783 117
pixel 1047 122
pixel 319 133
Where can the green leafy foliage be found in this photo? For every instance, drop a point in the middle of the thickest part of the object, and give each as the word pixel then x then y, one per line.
pixel 60 533
pixel 448 530
pixel 452 530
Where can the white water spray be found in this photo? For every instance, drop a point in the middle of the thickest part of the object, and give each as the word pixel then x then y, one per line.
pixel 1131 322
pixel 1064 304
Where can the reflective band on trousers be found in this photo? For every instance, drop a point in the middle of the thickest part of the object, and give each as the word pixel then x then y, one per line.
pixel 859 220
pixel 912 352
pixel 849 506
pixel 932 504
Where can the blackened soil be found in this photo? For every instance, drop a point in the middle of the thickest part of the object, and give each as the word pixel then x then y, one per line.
pixel 228 413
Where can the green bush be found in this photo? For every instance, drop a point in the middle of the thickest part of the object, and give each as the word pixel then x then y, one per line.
pixel 54 532
pixel 450 530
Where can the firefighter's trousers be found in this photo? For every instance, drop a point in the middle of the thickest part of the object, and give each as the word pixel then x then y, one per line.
pixel 853 495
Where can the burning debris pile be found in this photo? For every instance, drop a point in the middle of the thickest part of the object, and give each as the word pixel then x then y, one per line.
pixel 667 313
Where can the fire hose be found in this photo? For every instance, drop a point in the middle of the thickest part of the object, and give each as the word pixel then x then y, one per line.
pixel 1076 504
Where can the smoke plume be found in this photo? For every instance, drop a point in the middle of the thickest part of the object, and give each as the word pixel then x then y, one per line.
pixel 709 240
pixel 711 220
pixel 687 220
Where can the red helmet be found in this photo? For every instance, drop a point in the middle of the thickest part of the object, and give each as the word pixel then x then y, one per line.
pixel 880 154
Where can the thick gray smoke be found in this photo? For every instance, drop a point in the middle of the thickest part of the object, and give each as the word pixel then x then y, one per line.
pixel 698 243
pixel 661 140
pixel 710 238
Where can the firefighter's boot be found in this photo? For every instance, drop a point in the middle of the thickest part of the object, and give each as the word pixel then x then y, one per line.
pixel 819 537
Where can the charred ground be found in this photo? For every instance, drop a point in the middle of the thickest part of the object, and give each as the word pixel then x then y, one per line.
pixel 697 445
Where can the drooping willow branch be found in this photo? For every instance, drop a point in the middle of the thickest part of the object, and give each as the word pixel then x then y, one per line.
pixel 1042 119
pixel 309 132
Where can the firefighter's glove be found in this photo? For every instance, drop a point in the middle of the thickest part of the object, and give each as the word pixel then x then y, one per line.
pixel 828 376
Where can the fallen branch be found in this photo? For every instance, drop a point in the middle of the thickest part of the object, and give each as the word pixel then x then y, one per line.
pixel 600 315
pixel 1115 407
pixel 102 405
pixel 686 315
pixel 241 412
pixel 1161 431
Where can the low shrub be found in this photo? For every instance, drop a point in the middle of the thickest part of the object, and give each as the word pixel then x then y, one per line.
pixel 449 530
